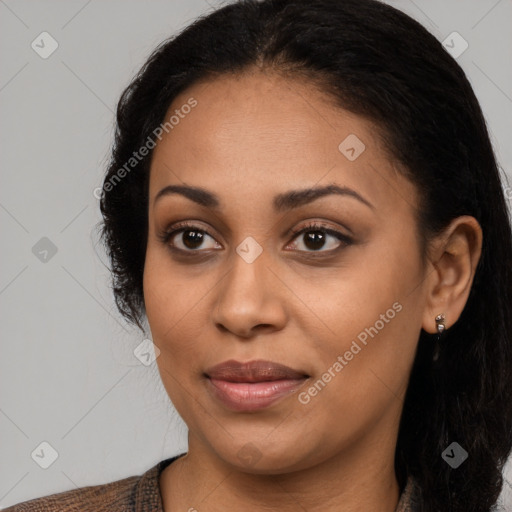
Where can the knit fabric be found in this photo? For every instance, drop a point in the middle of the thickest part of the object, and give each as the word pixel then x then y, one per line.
pixel 137 494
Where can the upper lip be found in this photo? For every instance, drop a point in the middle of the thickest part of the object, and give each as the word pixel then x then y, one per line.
pixel 253 371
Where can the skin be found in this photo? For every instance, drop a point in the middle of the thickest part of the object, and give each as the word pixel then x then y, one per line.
pixel 249 138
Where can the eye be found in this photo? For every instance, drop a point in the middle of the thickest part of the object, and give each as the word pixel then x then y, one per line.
pixel 318 236
pixel 191 238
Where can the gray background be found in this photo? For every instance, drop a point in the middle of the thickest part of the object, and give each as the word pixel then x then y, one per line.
pixel 68 375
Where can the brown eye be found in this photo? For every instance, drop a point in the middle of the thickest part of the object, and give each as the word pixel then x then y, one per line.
pixel 188 238
pixel 192 239
pixel 315 237
pixel 314 240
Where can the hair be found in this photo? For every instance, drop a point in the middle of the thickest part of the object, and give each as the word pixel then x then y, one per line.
pixel 377 62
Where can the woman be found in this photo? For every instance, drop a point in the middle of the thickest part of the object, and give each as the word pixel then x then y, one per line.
pixel 309 214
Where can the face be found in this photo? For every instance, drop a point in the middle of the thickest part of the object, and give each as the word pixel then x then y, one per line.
pixel 339 303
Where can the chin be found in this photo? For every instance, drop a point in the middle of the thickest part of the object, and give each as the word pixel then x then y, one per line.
pixel 270 458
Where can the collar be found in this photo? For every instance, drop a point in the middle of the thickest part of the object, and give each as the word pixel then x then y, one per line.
pixel 148 498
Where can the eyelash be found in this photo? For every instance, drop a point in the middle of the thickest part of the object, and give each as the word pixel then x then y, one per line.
pixel 165 236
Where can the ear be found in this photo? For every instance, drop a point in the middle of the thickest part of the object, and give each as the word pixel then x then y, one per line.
pixel 453 260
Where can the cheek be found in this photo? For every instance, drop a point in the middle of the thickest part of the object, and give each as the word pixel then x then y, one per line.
pixel 176 305
pixel 171 305
pixel 370 318
pixel 167 295
pixel 362 373
pixel 364 345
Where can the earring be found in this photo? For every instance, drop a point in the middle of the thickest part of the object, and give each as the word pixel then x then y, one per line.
pixel 440 325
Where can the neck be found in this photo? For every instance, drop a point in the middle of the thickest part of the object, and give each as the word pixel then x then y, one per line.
pixel 350 481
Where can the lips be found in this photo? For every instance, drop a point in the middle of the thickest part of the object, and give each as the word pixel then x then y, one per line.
pixel 253 385
pixel 253 371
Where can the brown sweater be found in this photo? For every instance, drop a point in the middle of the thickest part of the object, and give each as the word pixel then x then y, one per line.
pixel 136 494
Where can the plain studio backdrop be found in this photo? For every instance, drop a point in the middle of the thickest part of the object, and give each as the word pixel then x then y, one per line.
pixel 70 382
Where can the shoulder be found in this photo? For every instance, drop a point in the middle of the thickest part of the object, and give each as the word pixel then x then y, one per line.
pixel 410 498
pixel 115 496
pixel 140 493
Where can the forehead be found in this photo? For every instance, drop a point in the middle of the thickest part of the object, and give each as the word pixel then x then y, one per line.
pixel 261 133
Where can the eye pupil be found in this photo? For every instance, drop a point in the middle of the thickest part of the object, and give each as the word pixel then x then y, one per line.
pixel 193 239
pixel 314 239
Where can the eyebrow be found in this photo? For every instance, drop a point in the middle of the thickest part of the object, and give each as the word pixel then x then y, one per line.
pixel 282 202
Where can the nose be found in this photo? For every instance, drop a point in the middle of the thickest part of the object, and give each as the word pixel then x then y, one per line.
pixel 251 299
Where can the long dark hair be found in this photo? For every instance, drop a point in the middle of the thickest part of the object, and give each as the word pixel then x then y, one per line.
pixel 379 63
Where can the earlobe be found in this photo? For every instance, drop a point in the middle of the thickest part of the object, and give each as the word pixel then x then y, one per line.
pixel 457 254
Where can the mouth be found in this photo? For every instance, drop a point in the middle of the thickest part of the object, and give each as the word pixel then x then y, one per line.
pixel 253 385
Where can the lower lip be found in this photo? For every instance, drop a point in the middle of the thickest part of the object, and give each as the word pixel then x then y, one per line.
pixel 246 396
